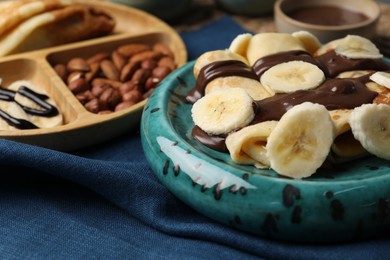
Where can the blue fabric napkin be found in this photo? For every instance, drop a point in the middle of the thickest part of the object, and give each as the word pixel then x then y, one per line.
pixel 104 202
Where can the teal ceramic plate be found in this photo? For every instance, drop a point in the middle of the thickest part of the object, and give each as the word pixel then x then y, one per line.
pixel 351 202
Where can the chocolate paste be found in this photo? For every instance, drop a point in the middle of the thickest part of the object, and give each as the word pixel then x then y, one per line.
pixel 327 15
pixel 215 70
pixel 336 64
pixel 333 94
pixel 265 63
pixel 215 142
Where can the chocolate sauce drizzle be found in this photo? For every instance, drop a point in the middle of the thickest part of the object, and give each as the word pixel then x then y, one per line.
pixel 47 110
pixel 265 63
pixel 337 64
pixel 216 70
pixel 333 93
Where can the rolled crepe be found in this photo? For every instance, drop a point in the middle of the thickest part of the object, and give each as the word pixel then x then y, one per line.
pixel 71 23
pixel 13 13
pixel 247 146
pixel 264 44
pixel 345 147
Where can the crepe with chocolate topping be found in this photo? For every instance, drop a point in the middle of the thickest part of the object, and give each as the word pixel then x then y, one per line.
pixel 71 23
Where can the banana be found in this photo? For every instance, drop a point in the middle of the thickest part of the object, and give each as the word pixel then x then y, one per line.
pixel 370 124
pixel 251 86
pixel 223 111
pixel 247 145
pixel 381 78
pixel 263 44
pixel 309 41
pixel 291 76
pixel 213 56
pixel 357 47
pixel 240 44
pixel 301 141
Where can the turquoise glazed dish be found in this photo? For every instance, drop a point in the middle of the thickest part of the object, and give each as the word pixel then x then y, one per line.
pixel 347 203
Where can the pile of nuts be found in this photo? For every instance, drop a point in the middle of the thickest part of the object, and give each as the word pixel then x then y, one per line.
pixel 112 81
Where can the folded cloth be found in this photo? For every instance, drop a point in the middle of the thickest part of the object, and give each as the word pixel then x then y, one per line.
pixel 104 202
pixel 214 36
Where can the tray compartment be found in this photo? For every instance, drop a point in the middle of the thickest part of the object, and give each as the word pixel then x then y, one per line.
pixel 27 69
pixel 86 51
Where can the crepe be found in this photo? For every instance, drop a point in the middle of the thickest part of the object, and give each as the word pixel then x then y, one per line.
pixel 247 146
pixel 13 13
pixel 66 24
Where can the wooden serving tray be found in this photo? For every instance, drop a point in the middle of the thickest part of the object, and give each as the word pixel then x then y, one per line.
pixel 82 128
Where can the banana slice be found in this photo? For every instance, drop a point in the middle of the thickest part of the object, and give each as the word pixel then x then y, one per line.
pixel 291 76
pixel 381 78
pixel 309 41
pixel 251 86
pixel 301 141
pixel 357 47
pixel 263 44
pixel 213 56
pixel 370 124
pixel 247 146
pixel 240 44
pixel 223 111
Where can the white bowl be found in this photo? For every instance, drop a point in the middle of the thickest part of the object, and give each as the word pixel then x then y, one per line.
pixel 325 33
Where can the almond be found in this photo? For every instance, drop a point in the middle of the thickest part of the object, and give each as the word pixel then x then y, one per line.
pixel 128 70
pixel 78 64
pixel 139 57
pixel 109 70
pixel 118 60
pixel 129 50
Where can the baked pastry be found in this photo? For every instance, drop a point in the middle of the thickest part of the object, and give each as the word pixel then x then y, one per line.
pixel 30 24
